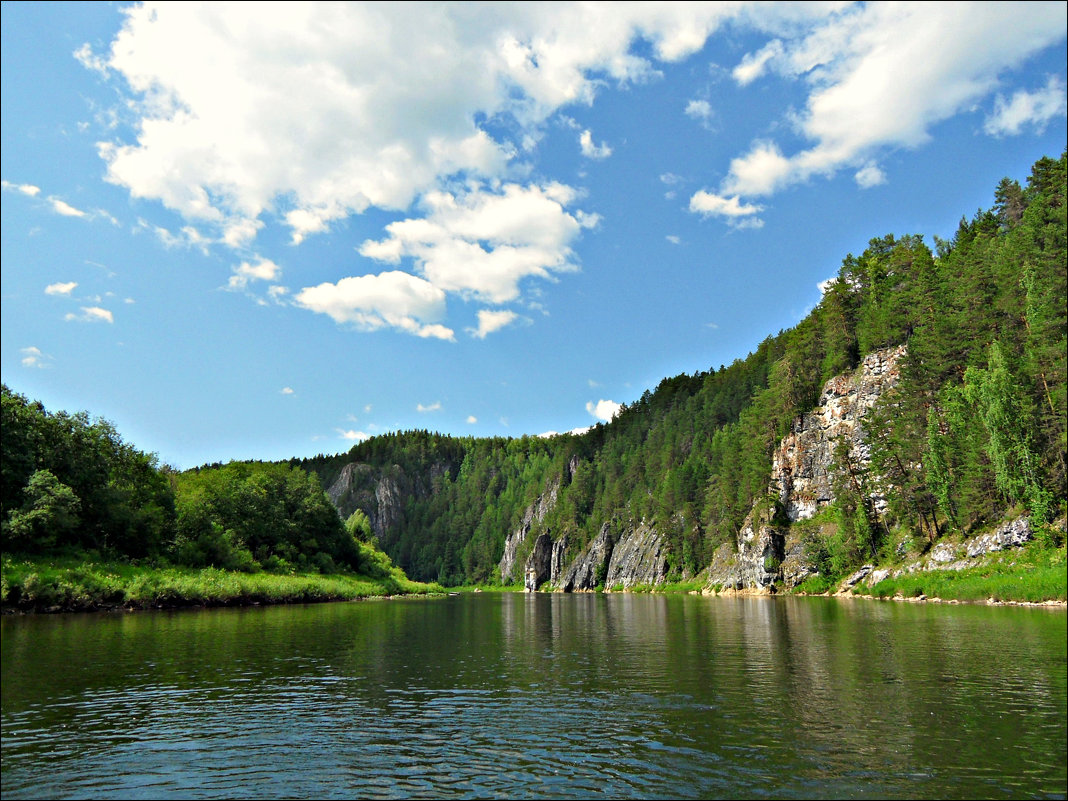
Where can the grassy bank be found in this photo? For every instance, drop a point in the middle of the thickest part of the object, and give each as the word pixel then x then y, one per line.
pixel 71 584
pixel 1031 575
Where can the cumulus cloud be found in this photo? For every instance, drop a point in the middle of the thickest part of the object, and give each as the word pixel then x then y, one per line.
pixel 286 391
pixel 310 112
pixel 869 175
pixel 881 75
pixel 91 314
pixel 482 243
pixel 700 110
pixel 490 321
pixel 738 214
pixel 64 208
pixel 1027 109
pixel 388 300
pixel 590 150
pixel 352 434
pixel 430 407
pixel 26 189
pixel 603 409
pixel 62 288
pixel 471 419
pixel 260 270
pixel 34 357
pixel 753 65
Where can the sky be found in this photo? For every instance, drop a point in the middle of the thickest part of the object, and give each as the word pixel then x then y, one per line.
pixel 263 231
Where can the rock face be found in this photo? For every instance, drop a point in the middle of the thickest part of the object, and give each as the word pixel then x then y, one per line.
pixel 760 550
pixel 591 566
pixel 803 474
pixel 382 496
pixel 534 514
pixel 638 558
pixel 802 468
pixel 1012 534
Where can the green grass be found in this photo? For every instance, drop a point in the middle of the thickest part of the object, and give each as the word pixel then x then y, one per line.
pixel 70 584
pixel 1032 575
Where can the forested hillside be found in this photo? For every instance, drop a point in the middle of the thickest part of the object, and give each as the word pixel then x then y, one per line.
pixel 974 430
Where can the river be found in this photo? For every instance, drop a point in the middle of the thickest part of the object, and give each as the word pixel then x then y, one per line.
pixel 519 696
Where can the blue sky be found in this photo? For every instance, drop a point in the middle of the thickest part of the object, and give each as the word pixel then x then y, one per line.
pixel 257 231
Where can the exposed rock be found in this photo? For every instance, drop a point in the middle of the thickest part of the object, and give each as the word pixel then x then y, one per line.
pixel 760 550
pixel 943 552
pixel 382 494
pixel 539 563
pixel 877 576
pixel 803 466
pixel 857 577
pixel 795 567
pixel 533 514
pixel 723 572
pixel 592 563
pixel 556 562
pixel 1013 534
pixel 638 558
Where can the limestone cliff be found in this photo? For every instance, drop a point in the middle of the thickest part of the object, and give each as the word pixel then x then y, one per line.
pixel 803 475
pixel 381 494
pixel 802 467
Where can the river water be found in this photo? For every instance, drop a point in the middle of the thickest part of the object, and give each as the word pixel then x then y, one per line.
pixel 519 696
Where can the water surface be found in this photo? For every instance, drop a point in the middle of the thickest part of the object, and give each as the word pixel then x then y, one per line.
pixel 518 696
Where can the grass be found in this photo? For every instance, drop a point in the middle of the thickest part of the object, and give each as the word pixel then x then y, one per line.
pixel 70 584
pixel 1031 575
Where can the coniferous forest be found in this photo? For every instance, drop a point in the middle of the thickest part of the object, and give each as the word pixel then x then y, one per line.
pixel 975 431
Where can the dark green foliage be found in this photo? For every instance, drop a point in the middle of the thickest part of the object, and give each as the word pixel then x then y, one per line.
pixel 975 429
pixel 691 456
pixel 72 483
pixel 72 486
pixel 247 516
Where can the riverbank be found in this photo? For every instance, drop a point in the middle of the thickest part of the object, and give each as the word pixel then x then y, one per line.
pixel 73 585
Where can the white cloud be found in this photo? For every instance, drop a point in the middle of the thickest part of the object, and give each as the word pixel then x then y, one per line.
pixel 260 270
pixel 603 409
pixel 700 110
pixel 64 208
pixel 674 240
pixel 26 189
pixel 34 357
pixel 352 434
pixel 91 314
pixel 869 175
pixel 490 321
pixel 432 407
pixel 388 300
pixel 753 65
pixel 1027 109
pixel 482 243
pixel 62 288
pixel 881 75
pixel 590 150
pixel 309 113
pixel 471 419
pixel 737 213
pixel 826 284
pixel 286 391
pixel 188 236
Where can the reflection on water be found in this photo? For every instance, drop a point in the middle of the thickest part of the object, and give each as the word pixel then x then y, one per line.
pixel 531 696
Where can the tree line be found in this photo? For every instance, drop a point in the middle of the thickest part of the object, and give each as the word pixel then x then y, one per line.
pixel 974 430
pixel 70 485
